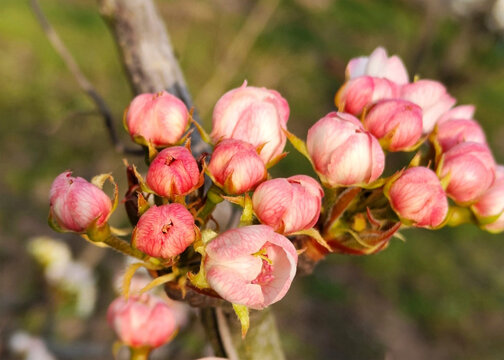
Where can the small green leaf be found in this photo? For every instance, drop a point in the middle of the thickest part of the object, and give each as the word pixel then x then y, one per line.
pixel 313 233
pixel 298 144
pixel 243 315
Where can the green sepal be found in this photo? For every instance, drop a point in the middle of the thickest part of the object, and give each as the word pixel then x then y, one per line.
pixel 314 234
pixel 151 148
pixel 99 181
pixel 437 146
pixel 204 135
pixel 98 233
pixel 458 215
pixel 242 312
pixel 247 216
pixel 143 204
pixel 276 160
pixel 486 220
pixel 298 144
pixel 53 224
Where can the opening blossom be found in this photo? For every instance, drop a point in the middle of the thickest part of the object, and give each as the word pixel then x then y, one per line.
pixel 398 122
pixel 288 205
pixel 456 131
pixel 417 195
pixel 255 115
pixel 471 168
pixel 236 167
pixel 75 203
pixel 142 321
pixel 174 171
pixel 491 203
pixel 159 118
pixel 164 231
pixel 432 97
pixel 342 152
pixel 251 265
pixel 358 93
pixel 378 64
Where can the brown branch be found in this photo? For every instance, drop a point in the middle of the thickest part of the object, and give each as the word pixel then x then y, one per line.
pixel 83 82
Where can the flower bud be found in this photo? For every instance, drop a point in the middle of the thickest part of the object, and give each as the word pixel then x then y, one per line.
pixel 236 167
pixel 144 321
pixel 378 64
pixel 453 132
pixel 432 97
pixel 174 171
pixel 164 231
pixel 491 203
pixel 397 122
pixel 342 152
pixel 458 112
pixel 76 203
pixel 362 91
pixel 417 195
pixel 159 118
pixel 471 170
pixel 288 205
pixel 255 115
pixel 251 265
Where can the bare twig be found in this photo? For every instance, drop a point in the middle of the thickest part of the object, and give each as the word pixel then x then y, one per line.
pixel 83 82
pixel 236 53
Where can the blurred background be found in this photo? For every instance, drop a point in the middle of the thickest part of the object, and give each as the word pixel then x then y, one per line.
pixel 440 295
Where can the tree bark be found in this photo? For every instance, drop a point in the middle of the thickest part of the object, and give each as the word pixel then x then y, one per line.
pixel 151 66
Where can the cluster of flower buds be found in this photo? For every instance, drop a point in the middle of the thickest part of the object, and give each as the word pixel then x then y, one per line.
pixel 352 209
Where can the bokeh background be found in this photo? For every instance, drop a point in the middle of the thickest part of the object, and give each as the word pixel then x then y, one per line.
pixel 439 295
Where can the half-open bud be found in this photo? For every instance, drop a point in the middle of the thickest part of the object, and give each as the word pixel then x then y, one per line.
pixel 491 204
pixel 378 64
pixel 397 123
pixel 255 115
pixel 456 131
pixel 362 91
pixel 142 322
pixel 288 205
pixel 432 97
pixel 164 231
pixel 236 167
pixel 76 203
pixel 251 265
pixel 159 118
pixel 417 196
pixel 471 170
pixel 173 172
pixel 342 152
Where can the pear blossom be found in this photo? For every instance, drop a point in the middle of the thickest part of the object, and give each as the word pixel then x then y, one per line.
pixel 75 203
pixel 250 265
pixel 256 115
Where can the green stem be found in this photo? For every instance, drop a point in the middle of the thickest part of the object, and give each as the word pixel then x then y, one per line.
pixel 140 353
pixel 212 199
pixel 124 247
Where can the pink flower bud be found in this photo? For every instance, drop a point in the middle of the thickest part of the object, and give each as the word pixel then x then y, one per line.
pixel 453 132
pixel 458 112
pixel 144 321
pixel 288 205
pixel 236 167
pixel 255 115
pixel 342 152
pixel 159 118
pixel 491 203
pixel 378 64
pixel 174 171
pixel 417 195
pixel 164 231
pixel 360 92
pixel 432 97
pixel 76 203
pixel 471 168
pixel 251 265
pixel 398 121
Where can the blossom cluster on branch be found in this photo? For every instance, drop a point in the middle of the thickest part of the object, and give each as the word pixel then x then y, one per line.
pixel 352 208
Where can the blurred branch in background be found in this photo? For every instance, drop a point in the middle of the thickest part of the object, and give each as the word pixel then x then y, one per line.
pixel 82 80
pixel 236 54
